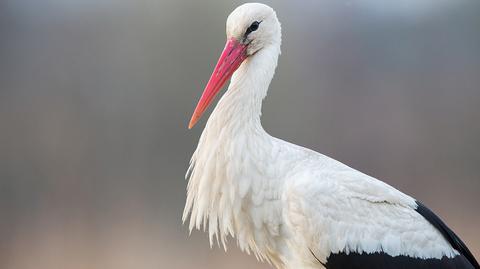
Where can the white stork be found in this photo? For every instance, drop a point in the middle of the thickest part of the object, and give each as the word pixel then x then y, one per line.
pixel 289 205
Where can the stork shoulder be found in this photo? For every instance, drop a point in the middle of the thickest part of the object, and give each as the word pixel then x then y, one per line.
pixel 318 173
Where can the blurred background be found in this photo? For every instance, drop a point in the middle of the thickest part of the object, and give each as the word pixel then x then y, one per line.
pixel 95 97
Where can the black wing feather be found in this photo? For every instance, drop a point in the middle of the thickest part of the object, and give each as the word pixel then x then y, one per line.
pixel 451 237
pixel 382 260
pixel 385 261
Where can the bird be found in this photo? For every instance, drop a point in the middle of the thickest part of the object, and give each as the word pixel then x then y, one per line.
pixel 288 205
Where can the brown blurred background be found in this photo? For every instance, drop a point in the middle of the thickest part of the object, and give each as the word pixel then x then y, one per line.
pixel 95 96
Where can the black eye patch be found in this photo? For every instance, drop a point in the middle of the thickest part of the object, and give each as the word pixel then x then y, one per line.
pixel 252 28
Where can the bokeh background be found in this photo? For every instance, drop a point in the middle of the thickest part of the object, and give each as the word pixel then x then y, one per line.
pixel 95 97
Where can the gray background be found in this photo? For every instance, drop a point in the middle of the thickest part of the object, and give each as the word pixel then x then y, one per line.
pixel 95 97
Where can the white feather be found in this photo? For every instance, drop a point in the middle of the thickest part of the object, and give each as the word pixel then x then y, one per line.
pixel 289 205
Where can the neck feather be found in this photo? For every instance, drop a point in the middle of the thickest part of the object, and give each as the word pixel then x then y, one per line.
pixel 229 148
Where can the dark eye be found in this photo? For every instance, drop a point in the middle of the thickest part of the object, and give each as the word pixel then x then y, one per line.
pixel 252 27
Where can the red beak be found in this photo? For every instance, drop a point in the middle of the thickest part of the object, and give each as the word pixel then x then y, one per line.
pixel 232 56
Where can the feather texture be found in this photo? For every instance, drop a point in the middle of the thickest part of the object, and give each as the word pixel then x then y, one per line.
pixel 286 204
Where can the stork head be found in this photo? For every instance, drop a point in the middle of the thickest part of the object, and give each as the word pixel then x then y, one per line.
pixel 254 25
pixel 250 28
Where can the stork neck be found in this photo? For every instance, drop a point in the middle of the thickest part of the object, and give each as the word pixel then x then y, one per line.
pixel 241 106
pixel 224 165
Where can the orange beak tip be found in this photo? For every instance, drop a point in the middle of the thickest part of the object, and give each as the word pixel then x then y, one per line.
pixel 193 121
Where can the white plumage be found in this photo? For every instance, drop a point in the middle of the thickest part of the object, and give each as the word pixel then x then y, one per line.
pixel 289 205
